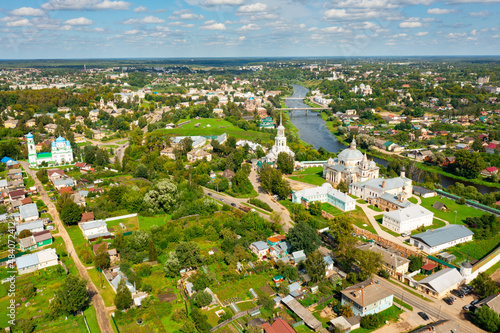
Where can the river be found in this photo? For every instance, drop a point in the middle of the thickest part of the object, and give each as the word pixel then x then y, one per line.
pixel 312 130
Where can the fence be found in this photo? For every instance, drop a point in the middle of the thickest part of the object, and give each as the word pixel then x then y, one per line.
pixel 404 252
pixel 120 217
pixel 236 316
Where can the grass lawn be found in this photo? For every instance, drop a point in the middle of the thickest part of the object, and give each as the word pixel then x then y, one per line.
pixel 391 315
pixel 91 317
pixel 240 288
pixel 436 224
pixel 217 127
pixel 81 144
pixel 146 222
pixel 493 268
pixel 361 201
pixel 404 304
pixel 360 220
pixel 331 209
pixel 463 210
pixel 107 293
pixel 76 236
pixel 372 207
pixel 413 200
pixel 131 224
pixel 476 249
pixel 252 194
pixel 312 176
pixel 256 208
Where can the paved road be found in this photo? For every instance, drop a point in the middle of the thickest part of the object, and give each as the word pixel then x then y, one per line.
pixel 434 310
pixel 100 309
pixel 286 220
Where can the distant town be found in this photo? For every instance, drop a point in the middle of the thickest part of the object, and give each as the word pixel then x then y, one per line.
pixel 263 195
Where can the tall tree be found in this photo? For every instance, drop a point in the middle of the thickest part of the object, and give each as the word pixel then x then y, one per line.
pixel 285 163
pixel 70 213
pixel 101 260
pixel 72 296
pixel 315 266
pixel 153 255
pixel 487 319
pixel 303 237
pixel 123 297
pixel 484 285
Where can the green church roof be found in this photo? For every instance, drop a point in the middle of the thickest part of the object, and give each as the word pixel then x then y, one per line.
pixel 44 155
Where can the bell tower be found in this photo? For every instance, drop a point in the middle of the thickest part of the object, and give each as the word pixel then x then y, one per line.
pixel 31 149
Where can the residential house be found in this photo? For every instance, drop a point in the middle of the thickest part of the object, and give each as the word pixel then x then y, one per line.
pixel 394 264
pixel 488 172
pixel 31 123
pixel 407 219
pixel 17 195
pixel 279 326
pixel 260 249
pixel 60 183
pixel 388 202
pixel 168 153
pixel 345 324
pixel 492 301
pixel 10 123
pixel 490 148
pixel 27 243
pixel 56 174
pixel 298 256
pixel 94 229
pixel 440 283
pixel 198 154
pixel 328 265
pixel 436 240
pixel 33 226
pixel 324 193
pixel 35 261
pixel 28 212
pixel 79 138
pixel 78 199
pixel 367 298
pixel 98 134
pixel 37 239
pixel 50 128
pixel 87 216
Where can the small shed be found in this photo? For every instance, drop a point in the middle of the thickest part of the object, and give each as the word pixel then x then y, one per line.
pixel 440 206
pixel 428 268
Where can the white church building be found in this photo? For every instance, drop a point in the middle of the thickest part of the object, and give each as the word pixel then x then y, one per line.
pixel 60 153
pixel 279 145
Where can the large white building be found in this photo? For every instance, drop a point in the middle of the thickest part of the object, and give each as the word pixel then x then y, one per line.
pixel 437 240
pixel 279 145
pixel 60 153
pixel 407 219
pixel 325 193
pixel 350 166
pixel 374 188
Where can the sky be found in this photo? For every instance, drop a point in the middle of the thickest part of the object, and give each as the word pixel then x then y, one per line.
pixel 65 29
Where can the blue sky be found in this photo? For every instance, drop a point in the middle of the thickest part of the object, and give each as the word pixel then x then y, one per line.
pixel 37 29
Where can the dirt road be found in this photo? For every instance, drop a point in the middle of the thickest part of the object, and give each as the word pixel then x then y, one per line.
pixel 98 302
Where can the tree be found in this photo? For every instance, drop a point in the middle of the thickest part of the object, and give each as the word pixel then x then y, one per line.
pixel 162 197
pixel 285 163
pixel 153 255
pixel 369 262
pixel 70 213
pixel 487 319
pixel 484 285
pixel 416 262
pixel 346 310
pixel 290 272
pixel 315 266
pixel 101 260
pixel 342 187
pixel 303 237
pixel 72 296
pixel 315 208
pixel 467 164
pixel 42 176
pixel 123 297
pixel 188 254
pixel 371 321
pixel 202 299
pixel 25 233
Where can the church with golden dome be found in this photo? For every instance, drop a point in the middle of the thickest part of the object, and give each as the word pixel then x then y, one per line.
pixel 350 166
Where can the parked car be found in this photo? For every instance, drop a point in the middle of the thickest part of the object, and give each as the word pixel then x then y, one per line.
pixel 423 315
pixel 448 300
pixel 209 193
pixel 467 307
pixel 233 204
pixel 43 211
pixel 221 199
pixel 457 293
pixel 406 234
pixel 474 302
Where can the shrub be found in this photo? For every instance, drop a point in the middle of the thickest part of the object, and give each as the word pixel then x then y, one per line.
pixel 371 321
pixel 260 204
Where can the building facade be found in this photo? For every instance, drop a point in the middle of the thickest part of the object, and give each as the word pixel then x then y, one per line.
pixel 350 166
pixel 366 298
pixel 325 193
pixel 407 219
pixel 433 241
pixel 374 188
pixel 279 145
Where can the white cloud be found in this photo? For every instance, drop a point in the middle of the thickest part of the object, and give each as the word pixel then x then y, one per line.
pixel 422 33
pixel 456 34
pixel 19 23
pixel 495 36
pixel 9 19
pixel 79 21
pixel 335 13
pixel 145 20
pixel 98 29
pixel 263 16
pixel 312 29
pixel 212 25
pixel 85 4
pixel 140 9
pixel 27 11
pixel 242 37
pixel 253 8
pixel 131 32
pixel 249 27
pixel 223 2
pixel 302 26
pixel 439 11
pixel 161 28
pixel 482 13
pixel 410 24
pixel 185 14
pixel 332 29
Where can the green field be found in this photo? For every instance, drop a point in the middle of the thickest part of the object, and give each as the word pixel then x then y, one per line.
pixel 217 127
pixel 107 293
pixel 413 200
pixel 91 317
pixel 331 209
pixel 372 207
pixel 360 219
pixel 131 224
pixel 475 249
pixel 146 222
pixel 312 176
pixel 463 211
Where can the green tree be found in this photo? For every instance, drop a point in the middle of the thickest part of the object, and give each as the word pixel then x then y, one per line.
pixel 42 176
pixel 70 213
pixel 289 272
pixel 285 163
pixel 153 255
pixel 487 319
pixel 72 296
pixel 101 259
pixel 346 310
pixel 202 299
pixel 315 266
pixel 315 208
pixel 23 234
pixel 369 262
pixel 303 237
pixel 342 187
pixel 484 285
pixel 416 262
pixel 123 297
pixel 467 164
pixel 371 321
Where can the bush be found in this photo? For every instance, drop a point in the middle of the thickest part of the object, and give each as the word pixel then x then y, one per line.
pixel 260 204
pixel 461 201
pixel 383 273
pixel 371 321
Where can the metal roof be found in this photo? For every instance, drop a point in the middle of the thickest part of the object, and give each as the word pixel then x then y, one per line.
pixel 442 280
pixel 435 237
pixel 408 213
pixel 29 225
pixel 260 245
pixel 28 210
pixel 46 255
pixel 92 224
pixel 27 261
